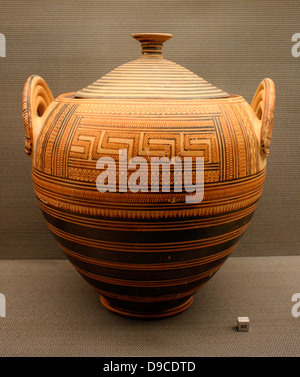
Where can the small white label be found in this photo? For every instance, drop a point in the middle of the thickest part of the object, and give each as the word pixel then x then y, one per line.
pixel 243 323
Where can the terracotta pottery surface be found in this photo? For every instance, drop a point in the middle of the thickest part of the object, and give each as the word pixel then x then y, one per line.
pixel 147 253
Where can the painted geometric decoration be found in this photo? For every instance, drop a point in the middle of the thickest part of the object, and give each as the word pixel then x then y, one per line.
pixel 147 252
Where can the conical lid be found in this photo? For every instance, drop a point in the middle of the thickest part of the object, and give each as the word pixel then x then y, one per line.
pixel 151 77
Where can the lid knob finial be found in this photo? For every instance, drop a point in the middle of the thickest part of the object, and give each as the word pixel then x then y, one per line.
pixel 152 42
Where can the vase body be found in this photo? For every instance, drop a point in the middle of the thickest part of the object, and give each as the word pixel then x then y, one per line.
pixel 147 253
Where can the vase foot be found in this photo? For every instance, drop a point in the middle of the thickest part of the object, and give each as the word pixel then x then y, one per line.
pixel 112 306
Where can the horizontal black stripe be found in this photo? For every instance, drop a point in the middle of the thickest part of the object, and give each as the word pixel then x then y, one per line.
pixel 138 236
pixel 147 307
pixel 144 275
pixel 142 257
pixel 130 291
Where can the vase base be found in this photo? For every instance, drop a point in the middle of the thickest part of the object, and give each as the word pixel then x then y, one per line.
pixel 134 314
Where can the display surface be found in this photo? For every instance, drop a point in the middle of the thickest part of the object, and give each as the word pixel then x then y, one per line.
pixel 146 252
pixel 207 328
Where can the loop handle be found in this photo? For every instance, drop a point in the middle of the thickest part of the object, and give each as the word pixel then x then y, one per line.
pixel 263 105
pixel 36 98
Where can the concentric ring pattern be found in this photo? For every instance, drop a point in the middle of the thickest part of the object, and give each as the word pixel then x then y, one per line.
pixel 151 77
pixel 147 252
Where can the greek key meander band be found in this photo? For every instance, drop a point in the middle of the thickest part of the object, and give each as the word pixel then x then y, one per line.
pixel 149 248
pixel 74 138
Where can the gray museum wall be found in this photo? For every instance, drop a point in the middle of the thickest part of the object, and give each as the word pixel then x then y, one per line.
pixel 232 44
